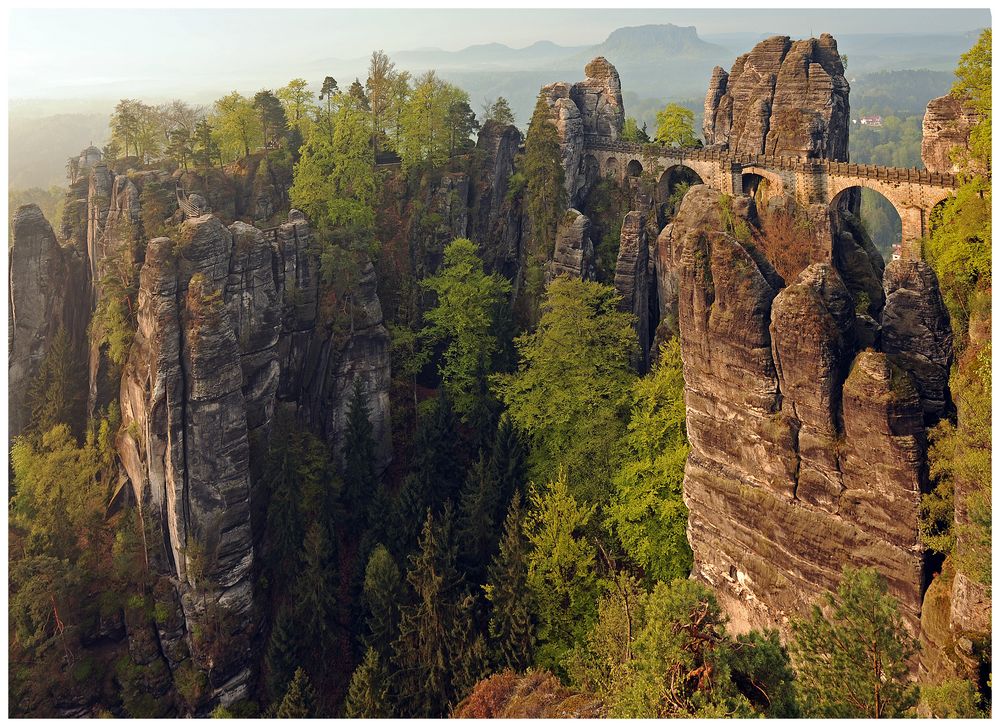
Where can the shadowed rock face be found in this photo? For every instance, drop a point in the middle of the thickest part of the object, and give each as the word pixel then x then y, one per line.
pixel 229 324
pixel 632 279
pixel 47 291
pixel 495 220
pixel 916 331
pixel 784 97
pixel 574 250
pixel 946 127
pixel 805 456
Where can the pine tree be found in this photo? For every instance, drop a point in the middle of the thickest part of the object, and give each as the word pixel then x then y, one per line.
pixel 853 660
pixel 436 651
pixel 56 396
pixel 368 692
pixel 382 591
pixel 512 629
pixel 300 699
pixel 360 478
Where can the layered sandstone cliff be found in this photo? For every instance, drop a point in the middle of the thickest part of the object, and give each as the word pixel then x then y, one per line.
pixel 946 127
pixel 592 110
pixel 807 453
pixel 784 97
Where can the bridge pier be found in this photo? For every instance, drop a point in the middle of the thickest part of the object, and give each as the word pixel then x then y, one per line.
pixel 914 228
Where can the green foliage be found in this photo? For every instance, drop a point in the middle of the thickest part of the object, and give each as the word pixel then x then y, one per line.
pixel 469 303
pixel 437 657
pixel 974 84
pixel 544 192
pixel 297 474
pixel 58 502
pixel 953 699
pixel 851 660
pixel 381 593
pixel 675 127
pixel 299 700
pixel 368 691
pixel 435 122
pixel 314 593
pixel 281 655
pixel 271 116
pixel 573 383
pixel 511 625
pixel 683 663
pixel 56 395
pixel 562 576
pixel 632 133
pixel 237 129
pixel 296 100
pixel 647 511
pixel 499 111
pixel 361 482
pixel 335 178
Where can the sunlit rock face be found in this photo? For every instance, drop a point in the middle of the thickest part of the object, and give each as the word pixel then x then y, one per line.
pixel 784 97
pixel 807 454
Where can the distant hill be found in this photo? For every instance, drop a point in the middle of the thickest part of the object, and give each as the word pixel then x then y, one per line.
pixel 657 63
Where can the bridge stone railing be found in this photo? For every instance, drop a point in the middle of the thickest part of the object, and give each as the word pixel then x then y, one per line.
pixel 795 164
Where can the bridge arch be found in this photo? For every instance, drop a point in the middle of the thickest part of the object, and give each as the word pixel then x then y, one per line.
pixel 673 178
pixel 761 184
pixel 612 168
pixel 883 218
pixel 634 168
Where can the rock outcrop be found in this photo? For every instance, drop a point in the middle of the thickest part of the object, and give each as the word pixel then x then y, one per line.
pixel 574 250
pixel 784 97
pixel 632 280
pixel 495 220
pixel 804 457
pixel 946 128
pixel 230 322
pixel 589 110
pixel 916 331
pixel 46 291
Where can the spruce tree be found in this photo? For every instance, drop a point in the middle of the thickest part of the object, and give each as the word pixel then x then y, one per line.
pixel 477 526
pixel 509 462
pixel 382 591
pixel 436 651
pixel 368 693
pixel 852 661
pixel 300 699
pixel 314 592
pixel 282 656
pixel 360 478
pixel 512 628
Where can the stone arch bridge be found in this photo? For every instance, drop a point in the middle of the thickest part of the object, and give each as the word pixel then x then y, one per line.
pixel 913 192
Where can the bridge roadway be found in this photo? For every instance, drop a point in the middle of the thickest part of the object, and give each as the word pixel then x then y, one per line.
pixel 912 192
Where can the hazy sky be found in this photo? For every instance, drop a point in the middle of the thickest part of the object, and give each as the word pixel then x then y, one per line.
pixel 91 52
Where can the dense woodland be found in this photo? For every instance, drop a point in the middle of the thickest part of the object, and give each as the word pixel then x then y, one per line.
pixel 532 518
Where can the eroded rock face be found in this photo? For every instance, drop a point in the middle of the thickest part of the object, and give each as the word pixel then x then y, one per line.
pixel 632 279
pixel 946 127
pixel 591 109
pixel 229 324
pixel 784 97
pixel 45 288
pixel 495 221
pixel 805 457
pixel 599 98
pixel 574 250
pixel 916 331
